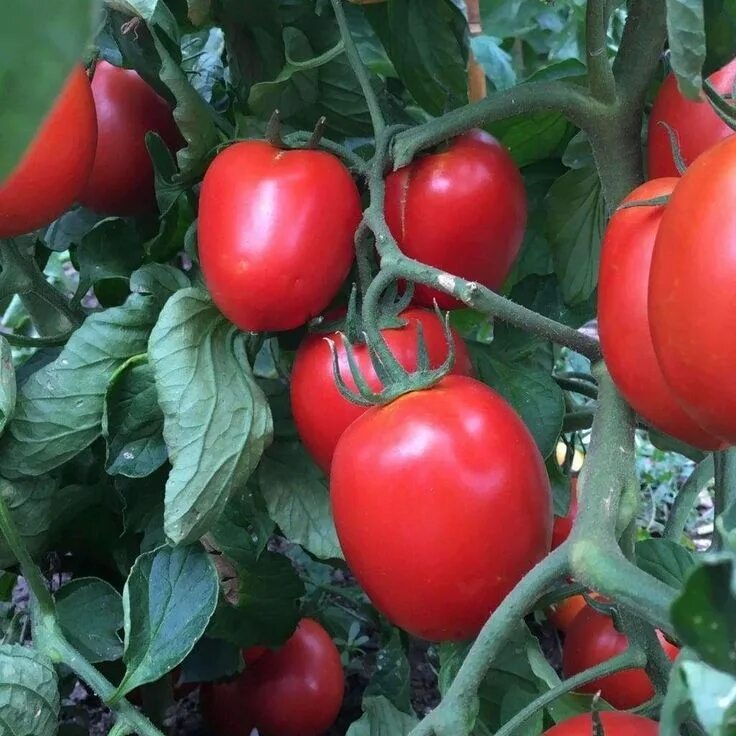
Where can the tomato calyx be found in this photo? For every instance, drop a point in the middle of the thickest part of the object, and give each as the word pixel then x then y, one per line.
pixel 654 201
pixel 677 157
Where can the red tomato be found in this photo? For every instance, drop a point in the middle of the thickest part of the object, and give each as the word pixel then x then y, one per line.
pixel 623 320
pixel 592 639
pixel 462 210
pixel 294 691
pixel 121 182
pixel 691 294
pixel 697 126
pixel 562 525
pixel 442 503
pixel 276 233
pixel 562 614
pixel 320 411
pixel 54 169
pixel 614 724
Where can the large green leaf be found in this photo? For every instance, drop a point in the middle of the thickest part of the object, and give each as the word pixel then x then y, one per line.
pixel 216 419
pixel 381 718
pixel 57 33
pixel 665 560
pixel 720 31
pixel 686 33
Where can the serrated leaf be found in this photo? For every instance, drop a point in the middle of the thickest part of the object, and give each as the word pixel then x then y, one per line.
pixel 665 560
pixel 216 419
pixel 686 34
pixel 298 500
pixel 29 694
pixel 59 408
pixel 90 613
pixel 381 718
pixel 576 218
pixel 168 600
pixel 132 423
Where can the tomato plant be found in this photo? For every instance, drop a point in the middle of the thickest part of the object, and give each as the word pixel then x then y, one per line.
pixel 614 724
pixel 562 525
pixel 54 169
pixel 121 180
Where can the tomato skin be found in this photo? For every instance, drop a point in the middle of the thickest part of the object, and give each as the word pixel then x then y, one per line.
pixel 562 614
pixel 623 319
pixel 276 233
pixel 562 525
pixel 613 722
pixel 462 210
pixel 591 640
pixel 121 182
pixel 422 492
pixel 691 295
pixel 296 690
pixel 320 423
pixel 55 167
pixel 697 126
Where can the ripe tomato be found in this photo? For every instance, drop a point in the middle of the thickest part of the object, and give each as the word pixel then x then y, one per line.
pixel 296 690
pixel 276 233
pixel 562 525
pixel 321 413
pixel 614 724
pixel 441 503
pixel 592 639
pixel 562 614
pixel 691 294
pixel 54 169
pixel 462 210
pixel 121 182
pixel 623 320
pixel 697 126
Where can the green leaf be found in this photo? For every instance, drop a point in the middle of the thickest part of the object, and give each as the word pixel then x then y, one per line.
pixel 665 560
pixel 32 82
pixel 210 660
pixel 154 12
pixel 216 419
pixel 59 408
pixel 168 600
pixel 381 718
pixel 90 613
pixel 298 500
pixel 686 34
pixel 392 678
pixel 425 40
pixel 720 30
pixel 132 423
pixel 575 223
pixel 704 614
pixel 29 694
pixel 531 391
pixel 8 385
pixel 533 137
pixel 495 61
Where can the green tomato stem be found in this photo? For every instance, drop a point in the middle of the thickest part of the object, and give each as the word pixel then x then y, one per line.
pixel 686 497
pixel 600 73
pixel 725 490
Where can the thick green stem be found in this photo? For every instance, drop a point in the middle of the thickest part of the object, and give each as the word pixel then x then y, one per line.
pixel 632 658
pixel 686 498
pixel 600 73
pixel 724 495
pixel 584 388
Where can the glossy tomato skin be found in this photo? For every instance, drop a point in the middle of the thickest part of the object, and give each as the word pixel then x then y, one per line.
pixel 121 182
pixel 55 167
pixel 691 294
pixel 276 233
pixel 592 639
pixel 562 525
pixel 696 124
pixel 423 491
pixel 623 318
pixel 462 210
pixel 562 614
pixel 321 413
pixel 614 724
pixel 296 690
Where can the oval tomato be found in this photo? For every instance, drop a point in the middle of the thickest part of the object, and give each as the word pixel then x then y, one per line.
pixel 697 126
pixel 623 320
pixel 614 724
pixel 562 525
pixel 592 639
pixel 562 614
pixel 121 182
pixel 296 690
pixel 423 491
pixel 321 413
pixel 691 294
pixel 54 169
pixel 276 233
pixel 462 210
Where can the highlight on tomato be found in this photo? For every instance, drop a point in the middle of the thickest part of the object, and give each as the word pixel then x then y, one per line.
pixel 122 181
pixel 462 209
pixel 321 423
pixel 296 690
pixel 272 253
pixel 55 167
pixel 613 722
pixel 422 491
